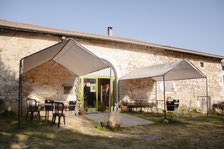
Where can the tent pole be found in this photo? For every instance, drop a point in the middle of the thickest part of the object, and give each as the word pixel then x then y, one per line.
pixel 117 82
pixel 207 94
pixel 20 94
pixel 110 93
pixel 164 95
pixel 156 95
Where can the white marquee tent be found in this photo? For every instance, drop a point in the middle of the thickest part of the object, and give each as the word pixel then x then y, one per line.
pixel 80 61
pixel 68 53
pixel 178 70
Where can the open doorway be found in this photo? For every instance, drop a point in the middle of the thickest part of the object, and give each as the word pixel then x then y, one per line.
pixel 96 91
pixel 103 94
pixel 90 100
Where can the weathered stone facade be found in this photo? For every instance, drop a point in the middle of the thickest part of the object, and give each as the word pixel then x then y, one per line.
pixel 13 47
pixel 47 80
pixel 126 58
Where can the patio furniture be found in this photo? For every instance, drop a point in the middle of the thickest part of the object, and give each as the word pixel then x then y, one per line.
pixel 32 108
pixel 58 112
pixel 48 108
pixel 172 105
pixel 73 106
pixel 141 104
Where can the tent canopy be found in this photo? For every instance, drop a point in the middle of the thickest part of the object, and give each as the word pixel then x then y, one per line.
pixel 69 54
pixel 178 70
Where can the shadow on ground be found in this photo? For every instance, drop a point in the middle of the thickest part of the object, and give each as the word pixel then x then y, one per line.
pixel 191 132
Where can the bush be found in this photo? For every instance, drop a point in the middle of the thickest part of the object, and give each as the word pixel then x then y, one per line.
pixel 103 108
pixel 170 116
pixel 8 113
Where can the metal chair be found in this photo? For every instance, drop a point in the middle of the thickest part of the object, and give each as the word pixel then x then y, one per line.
pixel 32 108
pixel 58 112
pixel 71 106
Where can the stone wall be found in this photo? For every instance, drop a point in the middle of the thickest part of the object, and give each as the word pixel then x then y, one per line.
pixel 14 46
pixel 127 57
pixel 45 82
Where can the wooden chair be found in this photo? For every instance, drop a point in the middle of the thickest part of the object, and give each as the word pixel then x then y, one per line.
pixel 58 112
pixel 32 108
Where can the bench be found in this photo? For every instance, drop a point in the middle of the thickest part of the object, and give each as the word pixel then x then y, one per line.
pixel 141 105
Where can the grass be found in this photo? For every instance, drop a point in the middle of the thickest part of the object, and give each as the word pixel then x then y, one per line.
pixel 191 130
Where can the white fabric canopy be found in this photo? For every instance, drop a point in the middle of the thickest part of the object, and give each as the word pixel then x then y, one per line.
pixel 178 70
pixel 69 54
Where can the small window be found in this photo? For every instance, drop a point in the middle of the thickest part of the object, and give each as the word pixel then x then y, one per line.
pixel 202 64
pixel 67 89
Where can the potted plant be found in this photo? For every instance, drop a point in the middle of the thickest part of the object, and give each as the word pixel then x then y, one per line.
pixel 113 126
pixel 124 106
pixel 80 98
pixel 83 111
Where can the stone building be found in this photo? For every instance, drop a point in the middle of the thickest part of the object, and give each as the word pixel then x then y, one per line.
pixel 52 81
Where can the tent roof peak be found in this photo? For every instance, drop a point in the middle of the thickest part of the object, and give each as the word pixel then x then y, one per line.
pixel 68 53
pixel 178 70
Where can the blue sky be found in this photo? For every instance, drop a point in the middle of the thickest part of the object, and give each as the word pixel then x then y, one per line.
pixel 191 24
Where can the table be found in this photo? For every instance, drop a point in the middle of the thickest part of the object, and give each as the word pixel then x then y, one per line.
pixel 40 105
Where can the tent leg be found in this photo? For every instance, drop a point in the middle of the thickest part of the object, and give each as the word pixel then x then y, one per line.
pixel 117 82
pixel 207 94
pixel 117 93
pixel 110 93
pixel 156 95
pixel 20 94
pixel 164 95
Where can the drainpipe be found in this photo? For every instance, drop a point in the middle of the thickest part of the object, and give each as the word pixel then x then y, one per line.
pixel 164 94
pixel 207 94
pixel 20 93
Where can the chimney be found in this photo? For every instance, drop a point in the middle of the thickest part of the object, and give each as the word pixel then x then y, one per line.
pixel 110 31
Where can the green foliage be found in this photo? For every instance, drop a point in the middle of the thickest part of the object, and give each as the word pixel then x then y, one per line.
pixel 124 103
pixel 8 113
pixel 103 108
pixel 107 125
pixel 79 95
pixel 170 116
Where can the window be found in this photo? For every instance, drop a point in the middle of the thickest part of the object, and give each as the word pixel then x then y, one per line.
pixel 170 86
pixel 202 64
pixel 67 89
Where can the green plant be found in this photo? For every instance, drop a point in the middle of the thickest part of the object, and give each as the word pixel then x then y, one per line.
pixel 8 113
pixel 124 103
pixel 170 116
pixel 80 97
pixel 103 108
pixel 183 108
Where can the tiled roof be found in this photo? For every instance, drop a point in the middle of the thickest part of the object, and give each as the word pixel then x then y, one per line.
pixel 50 30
